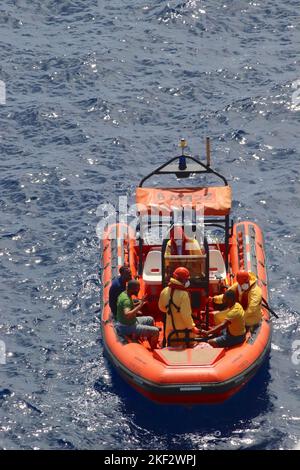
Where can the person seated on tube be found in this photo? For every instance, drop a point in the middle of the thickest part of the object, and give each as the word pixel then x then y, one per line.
pixel 180 244
pixel 118 286
pixel 128 323
pixel 175 302
pixel 232 324
pixel 249 295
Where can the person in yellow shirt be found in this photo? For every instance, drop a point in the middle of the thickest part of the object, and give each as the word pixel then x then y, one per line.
pixel 249 295
pixel 233 324
pixel 180 244
pixel 175 302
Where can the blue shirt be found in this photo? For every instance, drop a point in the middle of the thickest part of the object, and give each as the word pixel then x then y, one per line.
pixel 116 288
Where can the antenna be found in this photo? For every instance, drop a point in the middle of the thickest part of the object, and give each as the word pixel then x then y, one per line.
pixel 208 151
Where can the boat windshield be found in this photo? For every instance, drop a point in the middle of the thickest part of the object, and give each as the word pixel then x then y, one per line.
pixel 155 230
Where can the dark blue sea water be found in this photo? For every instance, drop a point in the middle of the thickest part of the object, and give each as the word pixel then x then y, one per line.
pixel 97 94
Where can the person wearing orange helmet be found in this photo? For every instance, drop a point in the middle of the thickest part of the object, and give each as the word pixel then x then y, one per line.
pixel 180 244
pixel 249 295
pixel 175 302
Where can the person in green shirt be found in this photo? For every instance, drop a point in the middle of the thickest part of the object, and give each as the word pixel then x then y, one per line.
pixel 232 327
pixel 128 323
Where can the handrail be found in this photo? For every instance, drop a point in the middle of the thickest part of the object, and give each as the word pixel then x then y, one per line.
pixel 207 169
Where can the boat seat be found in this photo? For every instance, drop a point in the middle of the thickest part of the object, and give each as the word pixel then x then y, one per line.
pixel 217 269
pixel 152 268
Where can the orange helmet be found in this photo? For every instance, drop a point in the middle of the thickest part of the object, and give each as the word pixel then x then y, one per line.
pixel 182 274
pixel 242 277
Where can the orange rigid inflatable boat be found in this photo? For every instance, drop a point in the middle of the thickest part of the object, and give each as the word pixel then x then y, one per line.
pixel 196 372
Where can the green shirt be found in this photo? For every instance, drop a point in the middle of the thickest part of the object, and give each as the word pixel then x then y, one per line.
pixel 124 301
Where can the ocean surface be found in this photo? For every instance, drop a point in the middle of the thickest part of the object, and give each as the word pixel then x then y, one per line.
pixel 98 94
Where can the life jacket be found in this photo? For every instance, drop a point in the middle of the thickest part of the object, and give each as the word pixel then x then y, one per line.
pixel 189 245
pixel 173 286
pixel 176 286
pixel 244 299
pixel 169 309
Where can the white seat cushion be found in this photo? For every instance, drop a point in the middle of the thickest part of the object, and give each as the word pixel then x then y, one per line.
pixel 152 268
pixel 217 268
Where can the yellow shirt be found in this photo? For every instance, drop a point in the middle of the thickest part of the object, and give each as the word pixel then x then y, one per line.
pixel 236 315
pixel 182 319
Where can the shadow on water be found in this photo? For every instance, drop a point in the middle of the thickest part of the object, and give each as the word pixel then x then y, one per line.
pixel 252 401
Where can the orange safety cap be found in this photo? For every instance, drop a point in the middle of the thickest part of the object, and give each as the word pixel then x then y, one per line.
pixel 242 277
pixel 181 273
